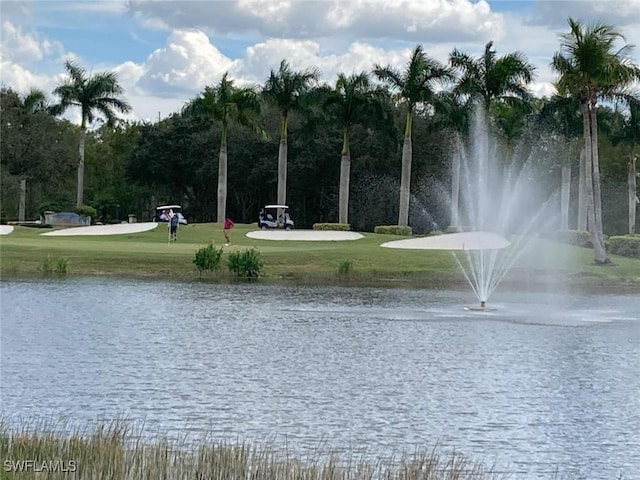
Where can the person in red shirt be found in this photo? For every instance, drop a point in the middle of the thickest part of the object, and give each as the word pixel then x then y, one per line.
pixel 228 225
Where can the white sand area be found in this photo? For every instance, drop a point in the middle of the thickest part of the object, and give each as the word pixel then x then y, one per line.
pixel 305 235
pixel 453 241
pixel 116 229
pixel 6 229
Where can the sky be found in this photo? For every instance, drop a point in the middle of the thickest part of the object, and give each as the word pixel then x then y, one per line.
pixel 166 52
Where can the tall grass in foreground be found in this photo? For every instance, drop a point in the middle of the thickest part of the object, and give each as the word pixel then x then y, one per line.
pixel 117 451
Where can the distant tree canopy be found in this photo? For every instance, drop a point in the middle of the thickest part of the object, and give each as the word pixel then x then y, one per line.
pixel 131 167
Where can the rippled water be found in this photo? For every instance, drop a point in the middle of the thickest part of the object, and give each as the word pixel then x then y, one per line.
pixel 547 382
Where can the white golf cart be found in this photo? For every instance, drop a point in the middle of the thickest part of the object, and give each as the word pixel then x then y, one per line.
pixel 160 214
pixel 269 217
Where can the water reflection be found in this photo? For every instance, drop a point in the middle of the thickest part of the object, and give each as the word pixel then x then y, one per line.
pixel 544 382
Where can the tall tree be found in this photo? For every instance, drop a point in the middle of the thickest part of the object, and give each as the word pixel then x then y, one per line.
pixel 286 89
pixel 627 135
pixel 33 103
pixel 227 103
pixel 354 101
pixel 453 113
pixel 560 116
pixel 590 68
pixel 487 80
pixel 416 86
pixel 93 94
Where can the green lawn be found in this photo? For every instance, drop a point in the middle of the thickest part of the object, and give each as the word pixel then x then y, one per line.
pixel 23 252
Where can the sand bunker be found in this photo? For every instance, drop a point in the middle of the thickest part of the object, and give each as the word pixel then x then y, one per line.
pixel 6 229
pixel 117 229
pixel 453 241
pixel 305 235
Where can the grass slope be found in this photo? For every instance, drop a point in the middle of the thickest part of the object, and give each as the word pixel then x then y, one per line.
pixel 147 254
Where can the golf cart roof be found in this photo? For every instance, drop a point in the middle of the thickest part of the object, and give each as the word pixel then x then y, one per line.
pixel 168 207
pixel 275 206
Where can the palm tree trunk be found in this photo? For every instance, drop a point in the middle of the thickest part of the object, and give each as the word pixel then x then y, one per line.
pixel 282 163
pixel 582 198
pixel 598 246
pixel 455 182
pixel 23 199
pixel 345 173
pixel 588 179
pixel 222 176
pixel 632 194
pixel 82 135
pixel 405 177
pixel 564 196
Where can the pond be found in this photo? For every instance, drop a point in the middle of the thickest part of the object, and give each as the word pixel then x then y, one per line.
pixel 548 382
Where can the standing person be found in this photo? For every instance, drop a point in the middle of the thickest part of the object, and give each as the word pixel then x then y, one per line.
pixel 174 219
pixel 228 225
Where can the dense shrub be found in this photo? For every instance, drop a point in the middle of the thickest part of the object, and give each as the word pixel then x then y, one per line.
pixel 208 258
pixel 246 264
pixel 580 238
pixel 392 230
pixel 87 211
pixel 332 226
pixel 627 245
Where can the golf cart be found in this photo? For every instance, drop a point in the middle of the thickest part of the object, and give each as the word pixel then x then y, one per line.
pixel 269 218
pixel 160 216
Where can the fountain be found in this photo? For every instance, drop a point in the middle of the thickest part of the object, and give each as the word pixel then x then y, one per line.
pixel 503 205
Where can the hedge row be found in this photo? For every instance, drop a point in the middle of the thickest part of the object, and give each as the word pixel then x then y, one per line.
pixel 392 230
pixel 627 245
pixel 332 226
pixel 580 238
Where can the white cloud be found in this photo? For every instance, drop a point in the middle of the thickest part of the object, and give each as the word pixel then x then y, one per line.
pixel 410 20
pixel 187 62
pixel 24 48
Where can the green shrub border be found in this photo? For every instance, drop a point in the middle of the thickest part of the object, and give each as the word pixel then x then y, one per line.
pixel 625 245
pixel 393 230
pixel 332 226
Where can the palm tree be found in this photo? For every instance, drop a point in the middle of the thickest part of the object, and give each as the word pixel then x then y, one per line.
pixel 354 101
pixel 286 90
pixel 93 94
pixel 224 103
pixel 453 113
pixel 560 115
pixel 489 78
pixel 416 86
pixel 590 68
pixel 33 103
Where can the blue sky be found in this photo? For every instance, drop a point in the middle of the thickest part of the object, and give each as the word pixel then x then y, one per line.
pixel 165 52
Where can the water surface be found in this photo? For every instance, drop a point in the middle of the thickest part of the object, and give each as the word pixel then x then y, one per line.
pixel 547 382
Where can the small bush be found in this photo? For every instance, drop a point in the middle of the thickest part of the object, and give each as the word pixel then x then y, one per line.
pixel 579 238
pixel 47 265
pixel 60 266
pixel 54 265
pixel 392 230
pixel 452 229
pixel 208 258
pixel 87 211
pixel 332 226
pixel 627 246
pixel 246 264
pixel 345 267
pixel 434 233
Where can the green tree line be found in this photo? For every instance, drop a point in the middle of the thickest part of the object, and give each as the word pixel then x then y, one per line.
pixel 372 148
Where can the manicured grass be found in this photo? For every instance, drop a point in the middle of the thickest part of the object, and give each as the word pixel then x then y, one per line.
pixel 147 254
